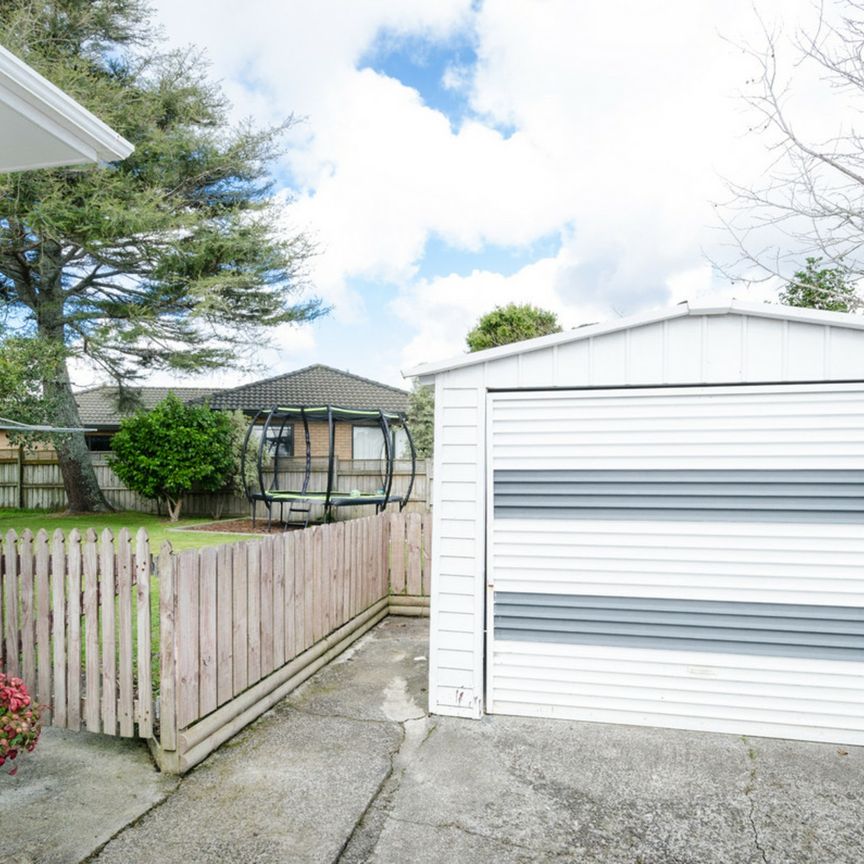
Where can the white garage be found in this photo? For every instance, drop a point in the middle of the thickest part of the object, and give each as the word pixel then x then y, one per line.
pixel 657 521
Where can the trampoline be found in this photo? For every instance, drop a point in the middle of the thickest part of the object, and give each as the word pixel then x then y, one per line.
pixel 262 482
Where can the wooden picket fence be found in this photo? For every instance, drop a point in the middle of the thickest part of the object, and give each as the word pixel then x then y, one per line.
pixel 239 625
pixel 86 663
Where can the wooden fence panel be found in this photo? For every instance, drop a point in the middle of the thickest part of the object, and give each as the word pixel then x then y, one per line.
pixel 414 582
pixel 230 616
pixel 143 562
pixel 10 602
pixel 397 553
pixel 73 654
pixel 107 590
pixel 225 624
pixel 126 713
pixel 426 563
pixel 186 637
pixel 265 578
pixel 167 565
pixel 299 592
pixel 58 625
pixel 240 606
pixel 253 574
pixel 93 664
pixel 278 601
pixel 35 481
pixel 28 611
pixel 43 617
pixel 207 630
pixel 288 556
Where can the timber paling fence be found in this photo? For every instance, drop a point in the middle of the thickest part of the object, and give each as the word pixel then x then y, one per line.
pixel 31 479
pixel 186 649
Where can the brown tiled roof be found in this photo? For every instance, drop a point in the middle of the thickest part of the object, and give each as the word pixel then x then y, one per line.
pixel 313 386
pixel 100 407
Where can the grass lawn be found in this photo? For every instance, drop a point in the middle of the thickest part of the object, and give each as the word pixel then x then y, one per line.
pixel 158 528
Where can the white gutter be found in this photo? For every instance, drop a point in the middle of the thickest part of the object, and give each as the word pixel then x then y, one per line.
pixel 760 310
pixel 26 92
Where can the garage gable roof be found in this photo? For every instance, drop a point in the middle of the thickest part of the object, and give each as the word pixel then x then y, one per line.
pixel 735 307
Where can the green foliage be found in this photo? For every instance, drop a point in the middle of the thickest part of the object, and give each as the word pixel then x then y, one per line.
pixel 421 419
pixel 174 449
pixel 817 287
pixel 239 425
pixel 175 258
pixel 511 323
pixel 24 363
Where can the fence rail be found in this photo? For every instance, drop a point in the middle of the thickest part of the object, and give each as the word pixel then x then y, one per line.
pixel 238 625
pixel 31 479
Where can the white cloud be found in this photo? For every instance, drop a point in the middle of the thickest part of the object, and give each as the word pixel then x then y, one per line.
pixel 620 118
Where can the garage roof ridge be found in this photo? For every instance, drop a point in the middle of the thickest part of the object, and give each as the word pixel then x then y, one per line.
pixel 734 307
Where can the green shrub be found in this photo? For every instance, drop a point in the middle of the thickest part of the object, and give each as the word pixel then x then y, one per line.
pixel 173 449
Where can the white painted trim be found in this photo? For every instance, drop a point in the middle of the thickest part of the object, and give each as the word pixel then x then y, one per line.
pixel 36 98
pixel 489 580
pixel 435 563
pixel 756 310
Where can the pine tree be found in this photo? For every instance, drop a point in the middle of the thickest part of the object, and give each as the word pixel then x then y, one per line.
pixel 167 260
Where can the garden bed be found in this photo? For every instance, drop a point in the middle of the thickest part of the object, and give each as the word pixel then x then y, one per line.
pixel 245 526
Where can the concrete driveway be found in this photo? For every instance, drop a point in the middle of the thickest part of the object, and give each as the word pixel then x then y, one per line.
pixel 351 769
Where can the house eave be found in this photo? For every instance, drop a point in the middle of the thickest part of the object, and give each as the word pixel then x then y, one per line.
pixel 58 117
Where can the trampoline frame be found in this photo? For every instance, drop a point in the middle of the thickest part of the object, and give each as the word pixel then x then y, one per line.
pixel 330 498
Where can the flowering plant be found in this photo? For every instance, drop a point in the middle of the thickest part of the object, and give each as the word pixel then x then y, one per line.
pixel 20 720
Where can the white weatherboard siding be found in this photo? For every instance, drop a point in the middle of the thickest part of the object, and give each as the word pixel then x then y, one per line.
pixel 708 549
pixel 731 345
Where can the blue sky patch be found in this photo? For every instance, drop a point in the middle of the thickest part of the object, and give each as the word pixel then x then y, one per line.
pixel 424 64
pixel 442 259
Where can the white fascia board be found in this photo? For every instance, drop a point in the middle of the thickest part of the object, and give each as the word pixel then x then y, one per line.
pixel 847 320
pixel 735 307
pixel 37 99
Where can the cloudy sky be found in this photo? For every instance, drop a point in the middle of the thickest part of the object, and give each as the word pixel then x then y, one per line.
pixel 456 155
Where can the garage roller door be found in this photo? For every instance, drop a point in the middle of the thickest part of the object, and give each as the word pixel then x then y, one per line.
pixel 690 557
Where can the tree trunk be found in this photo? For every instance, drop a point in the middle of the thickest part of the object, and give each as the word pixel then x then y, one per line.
pixel 79 479
pixel 174 509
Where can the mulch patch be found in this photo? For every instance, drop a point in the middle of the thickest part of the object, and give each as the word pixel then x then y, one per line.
pixel 245 526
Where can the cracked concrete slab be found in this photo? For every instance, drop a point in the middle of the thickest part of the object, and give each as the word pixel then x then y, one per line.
pixel 289 788
pixel 73 793
pixel 349 769
pixel 599 793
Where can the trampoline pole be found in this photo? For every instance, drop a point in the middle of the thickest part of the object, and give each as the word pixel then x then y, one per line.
pixel 388 456
pixel 261 452
pixel 308 451
pixel 413 450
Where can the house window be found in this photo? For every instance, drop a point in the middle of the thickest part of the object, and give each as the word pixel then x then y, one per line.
pixel 99 443
pixel 283 441
pixel 368 443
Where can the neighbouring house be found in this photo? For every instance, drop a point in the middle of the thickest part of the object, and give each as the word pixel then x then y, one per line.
pixel 101 412
pixel 658 521
pixel 320 385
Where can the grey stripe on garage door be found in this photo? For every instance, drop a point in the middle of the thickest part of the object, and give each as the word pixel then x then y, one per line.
pixel 740 495
pixel 779 629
